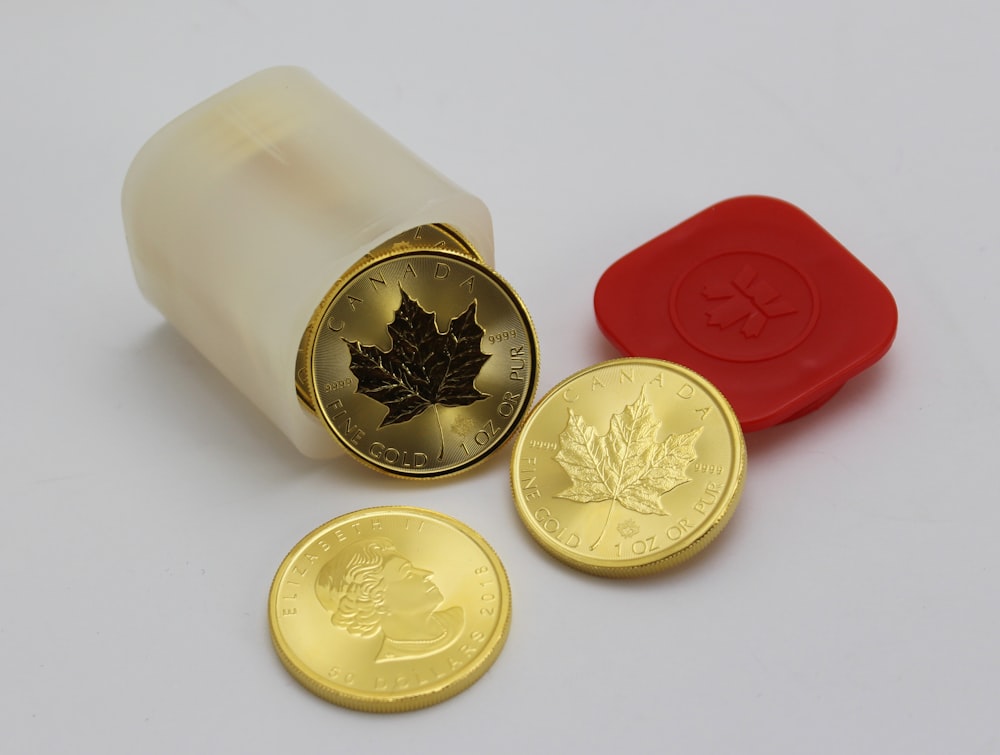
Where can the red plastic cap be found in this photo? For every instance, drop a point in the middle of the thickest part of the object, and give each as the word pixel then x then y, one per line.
pixel 756 296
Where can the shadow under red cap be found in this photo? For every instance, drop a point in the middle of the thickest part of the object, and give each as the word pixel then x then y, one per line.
pixel 756 296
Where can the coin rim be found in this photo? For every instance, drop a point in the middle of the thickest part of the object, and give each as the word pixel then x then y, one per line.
pixel 395 702
pixel 639 566
pixel 376 258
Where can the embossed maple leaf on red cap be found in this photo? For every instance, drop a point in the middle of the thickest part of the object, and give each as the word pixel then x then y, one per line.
pixel 748 298
pixel 756 296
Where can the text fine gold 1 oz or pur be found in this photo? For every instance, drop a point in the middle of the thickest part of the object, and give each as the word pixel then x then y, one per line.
pixel 628 467
pixel 389 609
pixel 422 362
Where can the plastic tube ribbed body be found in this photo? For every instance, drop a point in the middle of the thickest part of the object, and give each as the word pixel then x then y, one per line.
pixel 243 212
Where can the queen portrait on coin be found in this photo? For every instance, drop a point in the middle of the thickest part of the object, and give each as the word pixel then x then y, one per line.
pixel 372 590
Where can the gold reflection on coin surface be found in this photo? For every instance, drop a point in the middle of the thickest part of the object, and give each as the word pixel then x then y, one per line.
pixel 423 362
pixel 628 467
pixel 389 609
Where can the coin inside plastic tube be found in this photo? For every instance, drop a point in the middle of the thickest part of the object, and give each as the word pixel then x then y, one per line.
pixel 422 363
pixel 628 467
pixel 389 609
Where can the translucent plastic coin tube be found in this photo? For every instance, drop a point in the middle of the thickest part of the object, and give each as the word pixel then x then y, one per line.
pixel 243 212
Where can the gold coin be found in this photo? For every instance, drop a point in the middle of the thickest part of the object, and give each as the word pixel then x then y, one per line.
pixel 423 362
pixel 628 467
pixel 434 236
pixel 389 609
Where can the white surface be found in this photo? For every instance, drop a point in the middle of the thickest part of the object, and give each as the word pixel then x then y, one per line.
pixel 850 606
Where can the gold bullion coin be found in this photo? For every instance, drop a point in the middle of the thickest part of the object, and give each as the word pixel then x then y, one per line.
pixel 389 609
pixel 422 362
pixel 432 236
pixel 628 467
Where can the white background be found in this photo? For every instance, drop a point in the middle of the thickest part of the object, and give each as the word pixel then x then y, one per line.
pixel 850 606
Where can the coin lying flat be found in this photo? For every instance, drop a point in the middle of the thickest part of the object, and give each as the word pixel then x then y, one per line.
pixel 628 467
pixel 423 363
pixel 389 609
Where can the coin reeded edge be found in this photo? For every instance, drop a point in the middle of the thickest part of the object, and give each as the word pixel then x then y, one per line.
pixel 393 703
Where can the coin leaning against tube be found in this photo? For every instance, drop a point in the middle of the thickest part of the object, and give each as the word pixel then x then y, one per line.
pixel 628 467
pixel 389 609
pixel 422 362
pixel 435 236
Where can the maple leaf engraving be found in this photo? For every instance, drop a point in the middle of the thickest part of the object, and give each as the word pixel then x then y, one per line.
pixel 627 465
pixel 748 297
pixel 423 367
pixel 628 529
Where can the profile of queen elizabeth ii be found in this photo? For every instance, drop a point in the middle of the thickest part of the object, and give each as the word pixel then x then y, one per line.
pixel 371 590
